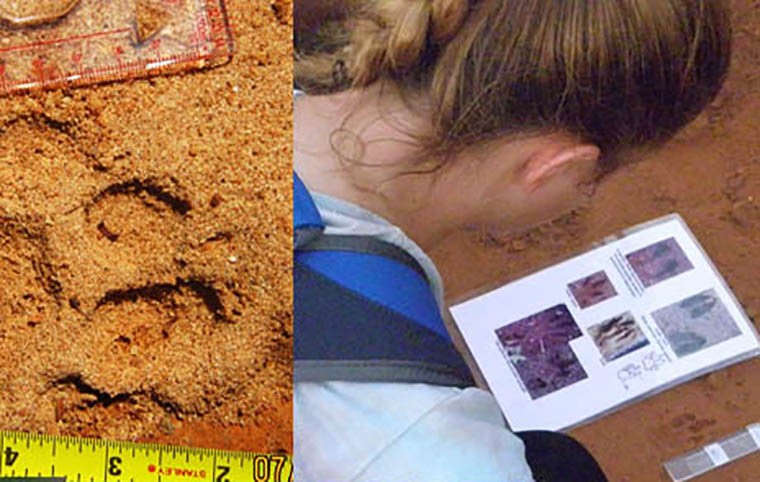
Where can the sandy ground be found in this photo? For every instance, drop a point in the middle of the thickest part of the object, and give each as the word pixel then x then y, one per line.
pixel 711 175
pixel 145 260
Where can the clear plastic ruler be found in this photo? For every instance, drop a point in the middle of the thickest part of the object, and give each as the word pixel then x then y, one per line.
pixel 57 43
pixel 711 456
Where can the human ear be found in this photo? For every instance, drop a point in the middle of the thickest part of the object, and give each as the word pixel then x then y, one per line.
pixel 550 161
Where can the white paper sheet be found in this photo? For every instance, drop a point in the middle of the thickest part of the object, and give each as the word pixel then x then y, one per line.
pixel 628 318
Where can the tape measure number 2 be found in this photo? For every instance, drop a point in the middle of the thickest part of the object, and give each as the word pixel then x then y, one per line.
pixel 90 460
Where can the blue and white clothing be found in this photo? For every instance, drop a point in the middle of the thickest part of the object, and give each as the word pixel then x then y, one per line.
pixel 389 431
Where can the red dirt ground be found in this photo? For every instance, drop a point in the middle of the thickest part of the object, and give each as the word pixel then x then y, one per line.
pixel 711 175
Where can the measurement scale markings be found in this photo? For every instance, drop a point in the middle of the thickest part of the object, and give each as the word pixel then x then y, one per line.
pixel 125 70
pixel 37 455
pixel 105 469
pixel 201 41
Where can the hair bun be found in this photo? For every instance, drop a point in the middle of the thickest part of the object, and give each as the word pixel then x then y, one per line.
pixel 393 35
pixel 446 18
pixel 408 35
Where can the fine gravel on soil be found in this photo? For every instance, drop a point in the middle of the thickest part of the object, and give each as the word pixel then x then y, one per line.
pixel 145 252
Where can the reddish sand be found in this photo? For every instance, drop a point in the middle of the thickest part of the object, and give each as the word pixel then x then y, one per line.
pixel 145 252
pixel 711 175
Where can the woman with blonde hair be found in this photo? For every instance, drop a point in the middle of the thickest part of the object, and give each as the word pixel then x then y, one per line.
pixel 432 116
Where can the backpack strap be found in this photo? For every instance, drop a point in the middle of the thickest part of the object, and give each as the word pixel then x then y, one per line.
pixel 307 223
pixel 362 317
pixel 364 244
pixel 364 311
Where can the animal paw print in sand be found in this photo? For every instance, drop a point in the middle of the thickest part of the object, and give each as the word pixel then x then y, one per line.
pixel 129 236
pixel 138 322
pixel 693 428
pixel 151 334
pixel 741 190
pixel 123 270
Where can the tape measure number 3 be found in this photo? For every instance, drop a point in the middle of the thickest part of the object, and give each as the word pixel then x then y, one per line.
pixel 90 460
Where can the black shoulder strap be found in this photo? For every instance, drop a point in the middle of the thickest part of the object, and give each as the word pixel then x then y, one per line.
pixel 341 335
pixel 346 331
pixel 366 245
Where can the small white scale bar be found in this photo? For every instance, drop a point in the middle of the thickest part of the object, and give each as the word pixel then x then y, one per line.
pixel 159 64
pixel 726 450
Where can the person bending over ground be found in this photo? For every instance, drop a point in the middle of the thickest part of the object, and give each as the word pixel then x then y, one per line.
pixel 442 115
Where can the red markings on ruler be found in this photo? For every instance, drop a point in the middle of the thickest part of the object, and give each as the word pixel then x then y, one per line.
pixel 197 34
pixel 191 473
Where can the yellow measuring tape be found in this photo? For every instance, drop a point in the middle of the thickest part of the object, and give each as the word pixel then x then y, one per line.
pixel 89 460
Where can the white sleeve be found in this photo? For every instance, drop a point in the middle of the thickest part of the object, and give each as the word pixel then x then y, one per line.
pixel 370 432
